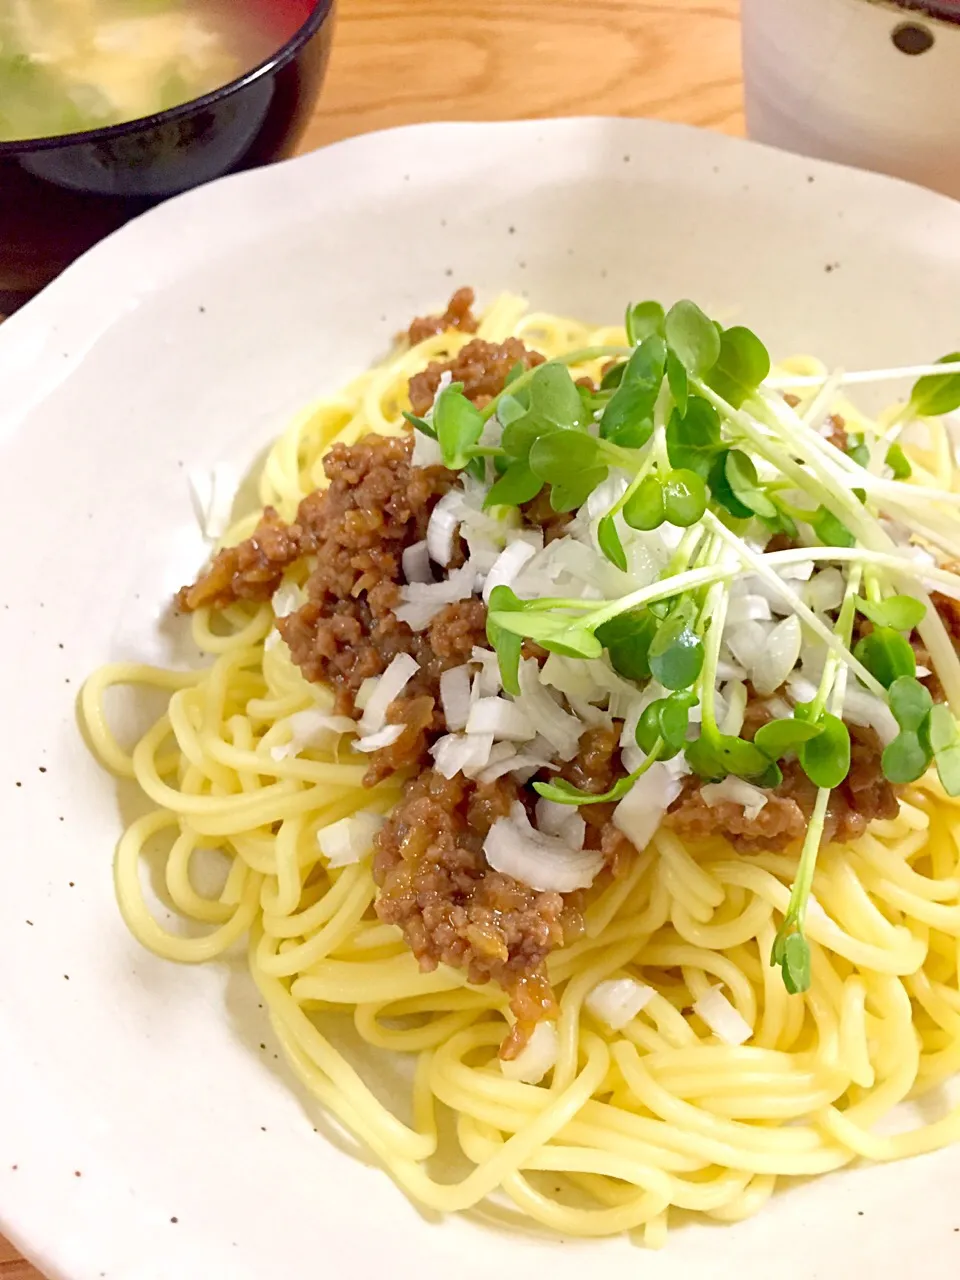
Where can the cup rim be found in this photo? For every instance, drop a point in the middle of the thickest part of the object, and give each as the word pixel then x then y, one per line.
pixel 288 50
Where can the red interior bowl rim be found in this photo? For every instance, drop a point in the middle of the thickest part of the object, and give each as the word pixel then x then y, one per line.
pixel 287 51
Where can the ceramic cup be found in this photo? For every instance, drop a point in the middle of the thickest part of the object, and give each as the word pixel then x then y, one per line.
pixel 872 83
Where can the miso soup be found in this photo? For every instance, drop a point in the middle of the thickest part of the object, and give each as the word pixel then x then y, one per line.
pixel 69 65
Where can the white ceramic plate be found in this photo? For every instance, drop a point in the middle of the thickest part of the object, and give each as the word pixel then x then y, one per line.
pixel 145 1134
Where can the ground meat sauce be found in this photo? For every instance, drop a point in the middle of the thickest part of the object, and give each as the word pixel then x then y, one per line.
pixel 458 315
pixel 434 882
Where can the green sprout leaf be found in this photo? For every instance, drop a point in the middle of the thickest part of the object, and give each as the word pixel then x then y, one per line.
pixel 910 702
pixel 510 409
pixel 693 337
pixel 715 756
pixel 902 613
pixel 741 475
pixel 779 738
pixel 722 489
pixel 642 320
pixel 684 497
pixel 627 639
pixel 938 393
pixel 825 759
pixel 506 644
pixel 560 456
pixel 628 418
pixel 613 376
pixel 645 508
pixel 516 486
pixel 459 425
pixel 794 962
pixel 693 438
pixel 943 735
pixel 899 463
pixel 676 654
pixel 665 721
pixel 420 424
pixel 576 489
pixel 679 381
pixel 742 365
pixel 906 758
pixel 563 792
pixel 609 540
pixel 831 531
pixel 886 655
pixel 858 450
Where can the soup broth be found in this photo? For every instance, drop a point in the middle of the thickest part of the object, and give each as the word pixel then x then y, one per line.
pixel 70 65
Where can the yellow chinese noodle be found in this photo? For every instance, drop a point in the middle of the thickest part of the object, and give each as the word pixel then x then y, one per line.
pixel 629 1125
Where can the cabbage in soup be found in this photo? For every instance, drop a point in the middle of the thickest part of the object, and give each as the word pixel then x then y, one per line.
pixel 68 65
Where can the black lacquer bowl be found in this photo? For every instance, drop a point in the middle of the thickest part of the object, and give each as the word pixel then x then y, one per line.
pixel 59 196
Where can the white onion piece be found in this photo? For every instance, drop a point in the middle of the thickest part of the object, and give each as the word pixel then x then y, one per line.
pixel 825 591
pixel 350 839
pixel 871 712
pixel 488 681
pixel 724 1020
pixel 746 641
pixel 273 641
pixel 575 677
pixel 426 451
pixel 521 765
pixel 778 708
pixel 312 728
pixel 442 526
pixel 287 599
pixel 617 1001
pixel 541 862
pixel 505 720
pixel 505 569
pixel 799 572
pixel 801 689
pixel 561 820
pixel 384 737
pixel 778 657
pixel 735 696
pixel 365 692
pixel 726 670
pixel 455 696
pixel 388 688
pixel 588 713
pixel 748 609
pixel 735 791
pixel 457 753
pixel 560 729
pixel 424 600
pixel 536 1058
pixel 640 812
pixel 416 563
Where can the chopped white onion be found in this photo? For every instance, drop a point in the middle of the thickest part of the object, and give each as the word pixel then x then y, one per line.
pixel 384 737
pixel 544 863
pixel 287 599
pixel 522 765
pixel 458 753
pixel 748 609
pixel 724 1019
pixel 455 696
pixel 735 791
pixel 617 1001
pixel 487 682
pixel 640 812
pixel 560 729
pixel 273 641
pixel 778 656
pixel 443 523
pixel 505 569
pixel 426 450
pixel 588 713
pixel 536 1058
pixel 735 696
pixel 312 728
pixel 561 820
pixel 575 677
pixel 416 563
pixel 505 720
pixel 871 712
pixel 825 591
pixel 365 692
pixel 424 600
pixel 799 572
pixel 746 641
pixel 389 686
pixel 350 839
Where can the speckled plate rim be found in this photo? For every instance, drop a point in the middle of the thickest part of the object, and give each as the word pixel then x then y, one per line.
pixel 134 1099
